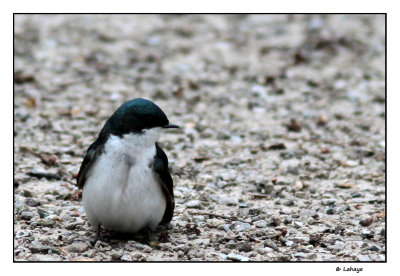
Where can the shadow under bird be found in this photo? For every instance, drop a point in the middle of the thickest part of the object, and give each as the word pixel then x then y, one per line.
pixel 124 176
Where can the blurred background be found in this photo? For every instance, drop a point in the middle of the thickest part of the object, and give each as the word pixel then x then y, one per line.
pixel 275 109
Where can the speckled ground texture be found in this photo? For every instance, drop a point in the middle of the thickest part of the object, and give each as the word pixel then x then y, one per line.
pixel 282 152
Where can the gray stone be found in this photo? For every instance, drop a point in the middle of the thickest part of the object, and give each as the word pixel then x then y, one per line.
pixel 77 247
pixel 364 258
pixel 263 187
pixel 223 256
pixel 231 244
pixel 337 247
pixel 349 232
pixel 311 256
pixel 199 219
pixel 74 224
pixel 116 255
pixel 328 201
pixel 195 253
pixel 46 222
pixel 300 255
pixel 66 216
pixel 307 213
pixel 298 224
pixel 26 193
pixel 367 232
pixel 300 194
pixel 215 222
pixel 46 258
pixel 134 246
pixel 37 247
pixel 264 250
pixel 289 243
pixel 137 256
pixel 352 163
pixel 22 234
pixel 227 201
pixel 225 227
pixel 178 247
pixel 374 248
pixel 32 202
pixel 356 195
pixel 236 257
pixel 27 215
pixel 241 226
pixel 126 258
pixel 284 258
pixel 288 220
pixel 147 249
pixel 193 204
pixel 260 223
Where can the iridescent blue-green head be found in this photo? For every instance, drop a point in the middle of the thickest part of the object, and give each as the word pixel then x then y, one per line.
pixel 135 116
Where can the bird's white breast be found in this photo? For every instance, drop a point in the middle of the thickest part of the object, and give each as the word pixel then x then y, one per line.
pixel 121 192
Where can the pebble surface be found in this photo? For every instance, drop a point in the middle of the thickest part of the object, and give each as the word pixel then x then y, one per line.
pixel 281 155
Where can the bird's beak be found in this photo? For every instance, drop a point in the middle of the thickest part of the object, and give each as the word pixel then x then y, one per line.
pixel 170 126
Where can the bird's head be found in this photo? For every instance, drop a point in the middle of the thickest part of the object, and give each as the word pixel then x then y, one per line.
pixel 137 116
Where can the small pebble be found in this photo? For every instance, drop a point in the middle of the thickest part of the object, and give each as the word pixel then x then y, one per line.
pixel 77 247
pixel 231 244
pixel 227 201
pixel 300 255
pixel 289 243
pixel 27 215
pixel 241 226
pixel 367 233
pixel 116 255
pixel 275 222
pixel 236 257
pixel 46 222
pixel 356 195
pixel 366 222
pixel 298 224
pixel 147 249
pixel 197 219
pixel 328 201
pixel 374 248
pixel 226 228
pixel 284 258
pixel 260 224
pixel 311 256
pixel 246 247
pixel 364 258
pixel 37 247
pixel 126 258
pixel 31 202
pixel 73 225
pixel 300 194
pixel 288 220
pixel 193 204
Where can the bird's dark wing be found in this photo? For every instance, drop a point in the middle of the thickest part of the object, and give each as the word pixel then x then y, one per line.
pixel 160 166
pixel 91 155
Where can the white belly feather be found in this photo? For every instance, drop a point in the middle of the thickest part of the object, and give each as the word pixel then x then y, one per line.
pixel 121 192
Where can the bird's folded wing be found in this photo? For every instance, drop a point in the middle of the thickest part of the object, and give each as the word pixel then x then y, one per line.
pixel 91 156
pixel 160 166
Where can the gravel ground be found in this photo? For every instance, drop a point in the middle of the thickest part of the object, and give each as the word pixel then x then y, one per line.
pixel 282 152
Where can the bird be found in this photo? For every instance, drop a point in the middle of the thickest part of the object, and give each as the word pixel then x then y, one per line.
pixel 125 181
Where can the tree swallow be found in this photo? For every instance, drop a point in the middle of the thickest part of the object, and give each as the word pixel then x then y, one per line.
pixel 124 176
